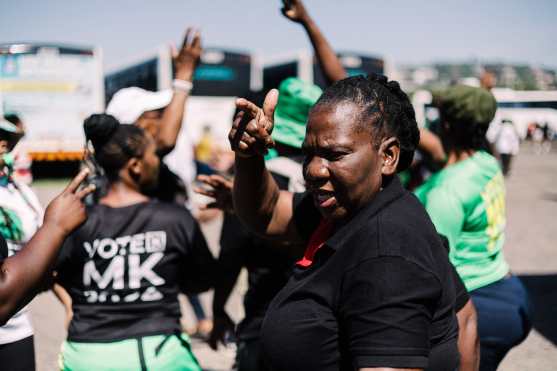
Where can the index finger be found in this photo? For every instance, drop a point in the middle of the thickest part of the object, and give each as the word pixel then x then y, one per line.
pixel 247 106
pixel 196 43
pixel 186 37
pixel 76 182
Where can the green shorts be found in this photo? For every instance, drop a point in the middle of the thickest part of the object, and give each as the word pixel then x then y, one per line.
pixel 159 352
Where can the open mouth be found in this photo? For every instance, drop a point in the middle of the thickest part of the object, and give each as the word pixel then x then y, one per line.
pixel 324 199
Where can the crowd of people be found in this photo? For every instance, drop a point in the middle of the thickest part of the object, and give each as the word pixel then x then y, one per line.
pixel 353 262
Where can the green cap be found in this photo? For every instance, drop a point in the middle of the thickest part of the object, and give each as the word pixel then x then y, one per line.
pixel 296 98
pixel 466 104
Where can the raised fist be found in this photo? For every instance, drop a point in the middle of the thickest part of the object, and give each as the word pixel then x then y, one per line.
pixel 187 58
pixel 294 10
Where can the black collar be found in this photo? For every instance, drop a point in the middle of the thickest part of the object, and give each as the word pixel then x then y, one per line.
pixel 392 191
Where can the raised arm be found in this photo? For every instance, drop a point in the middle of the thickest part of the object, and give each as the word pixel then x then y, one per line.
pixel 326 56
pixel 257 199
pixel 185 62
pixel 21 274
pixel 431 144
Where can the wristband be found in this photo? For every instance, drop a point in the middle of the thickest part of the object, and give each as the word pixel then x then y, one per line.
pixel 182 85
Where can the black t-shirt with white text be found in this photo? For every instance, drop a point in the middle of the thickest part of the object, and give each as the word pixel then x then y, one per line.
pixel 125 266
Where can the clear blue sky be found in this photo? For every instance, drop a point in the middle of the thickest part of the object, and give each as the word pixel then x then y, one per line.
pixel 406 31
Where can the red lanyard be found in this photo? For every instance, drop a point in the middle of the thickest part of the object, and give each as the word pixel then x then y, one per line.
pixel 317 240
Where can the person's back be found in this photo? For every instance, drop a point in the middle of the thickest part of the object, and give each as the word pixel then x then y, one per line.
pixel 466 202
pixel 507 140
pixel 472 190
pixel 123 266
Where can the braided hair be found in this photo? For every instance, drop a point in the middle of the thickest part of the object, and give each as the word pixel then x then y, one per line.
pixel 384 108
pixel 114 144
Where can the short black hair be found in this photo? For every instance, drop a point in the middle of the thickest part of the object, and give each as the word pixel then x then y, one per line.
pixel 385 109
pixel 114 144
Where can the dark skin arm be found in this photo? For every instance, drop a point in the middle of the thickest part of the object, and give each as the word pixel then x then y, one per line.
pixel 431 144
pixel 257 199
pixel 468 340
pixel 230 260
pixel 326 56
pixel 185 62
pixel 22 274
pixel 66 300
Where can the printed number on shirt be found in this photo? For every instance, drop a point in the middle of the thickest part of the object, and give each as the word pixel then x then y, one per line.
pixel 494 199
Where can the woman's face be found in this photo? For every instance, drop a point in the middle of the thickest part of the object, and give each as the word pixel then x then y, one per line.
pixel 149 176
pixel 150 121
pixel 342 167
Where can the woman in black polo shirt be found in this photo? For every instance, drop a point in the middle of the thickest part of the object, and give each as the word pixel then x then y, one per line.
pixel 374 289
pixel 124 267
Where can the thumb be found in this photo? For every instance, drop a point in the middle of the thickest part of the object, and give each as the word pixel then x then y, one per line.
pixel 270 103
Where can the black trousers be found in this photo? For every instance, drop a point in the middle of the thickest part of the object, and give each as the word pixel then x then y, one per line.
pixel 18 356
pixel 506 160
pixel 249 356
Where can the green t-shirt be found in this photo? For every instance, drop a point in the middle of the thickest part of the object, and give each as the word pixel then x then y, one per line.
pixel 466 202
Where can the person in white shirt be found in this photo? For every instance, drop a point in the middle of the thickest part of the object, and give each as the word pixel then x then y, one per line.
pixel 504 136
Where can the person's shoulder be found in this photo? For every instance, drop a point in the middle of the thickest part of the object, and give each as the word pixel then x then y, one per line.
pixel 486 160
pixel 169 210
pixel 406 230
pixel 406 215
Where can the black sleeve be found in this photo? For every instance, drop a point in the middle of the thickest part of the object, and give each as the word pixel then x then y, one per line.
pixel 200 266
pixel 64 255
pixel 386 310
pixel 3 248
pixel 306 215
pixel 461 293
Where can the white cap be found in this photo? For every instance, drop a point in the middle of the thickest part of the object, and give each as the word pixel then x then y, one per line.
pixel 128 104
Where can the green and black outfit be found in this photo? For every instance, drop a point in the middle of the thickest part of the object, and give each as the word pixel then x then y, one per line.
pixel 124 269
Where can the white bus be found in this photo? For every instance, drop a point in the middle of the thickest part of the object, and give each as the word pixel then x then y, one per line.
pixel 527 107
pixel 52 88
pixel 523 107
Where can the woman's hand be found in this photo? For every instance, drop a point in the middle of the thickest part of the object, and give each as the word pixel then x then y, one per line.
pixel 294 10
pixel 219 188
pixel 187 59
pixel 252 127
pixel 67 211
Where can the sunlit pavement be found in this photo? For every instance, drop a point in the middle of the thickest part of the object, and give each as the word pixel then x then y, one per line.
pixel 531 250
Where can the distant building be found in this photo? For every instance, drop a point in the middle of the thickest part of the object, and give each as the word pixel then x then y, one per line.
pixel 518 77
